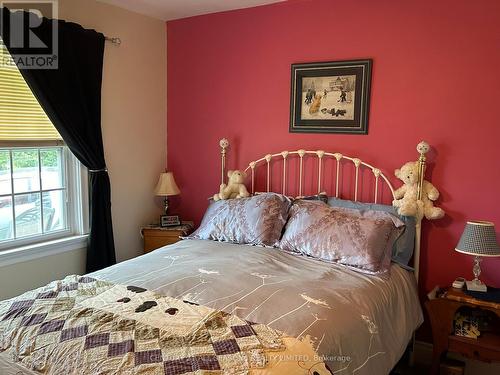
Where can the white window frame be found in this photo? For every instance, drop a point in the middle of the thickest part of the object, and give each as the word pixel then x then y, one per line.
pixel 77 207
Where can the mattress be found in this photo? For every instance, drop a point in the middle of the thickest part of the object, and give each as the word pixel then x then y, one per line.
pixel 353 322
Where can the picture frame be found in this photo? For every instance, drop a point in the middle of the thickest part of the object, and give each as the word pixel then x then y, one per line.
pixel 330 97
pixel 169 221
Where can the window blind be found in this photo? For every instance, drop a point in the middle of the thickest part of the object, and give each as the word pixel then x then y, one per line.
pixel 22 119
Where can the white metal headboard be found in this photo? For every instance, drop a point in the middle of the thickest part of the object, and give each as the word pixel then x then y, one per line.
pixel 320 155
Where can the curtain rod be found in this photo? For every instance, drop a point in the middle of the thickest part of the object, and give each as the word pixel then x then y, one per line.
pixel 116 41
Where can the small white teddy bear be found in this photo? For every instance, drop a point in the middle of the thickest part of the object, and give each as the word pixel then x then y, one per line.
pixel 235 187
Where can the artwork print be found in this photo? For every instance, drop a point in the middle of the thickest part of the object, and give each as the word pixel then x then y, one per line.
pixel 330 97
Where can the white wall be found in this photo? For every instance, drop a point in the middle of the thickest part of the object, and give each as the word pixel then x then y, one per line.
pixel 133 112
pixel 134 134
pixel 20 277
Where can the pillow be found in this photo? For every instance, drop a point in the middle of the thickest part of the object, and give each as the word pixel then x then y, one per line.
pixel 257 220
pixel 317 197
pixel 402 250
pixel 360 240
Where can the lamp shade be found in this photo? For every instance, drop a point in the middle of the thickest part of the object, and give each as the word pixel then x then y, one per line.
pixel 166 185
pixel 479 239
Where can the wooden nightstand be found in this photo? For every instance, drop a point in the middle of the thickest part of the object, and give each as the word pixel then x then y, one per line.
pixel 156 237
pixel 442 312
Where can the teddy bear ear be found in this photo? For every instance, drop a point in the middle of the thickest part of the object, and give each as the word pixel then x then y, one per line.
pixel 229 173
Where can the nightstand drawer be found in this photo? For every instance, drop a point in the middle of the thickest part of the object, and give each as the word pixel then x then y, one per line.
pixel 153 241
pixel 484 348
pixel 156 237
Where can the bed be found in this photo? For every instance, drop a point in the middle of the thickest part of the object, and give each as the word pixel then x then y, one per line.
pixel 208 307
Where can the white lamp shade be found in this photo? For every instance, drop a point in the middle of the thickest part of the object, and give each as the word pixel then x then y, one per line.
pixel 479 238
pixel 166 185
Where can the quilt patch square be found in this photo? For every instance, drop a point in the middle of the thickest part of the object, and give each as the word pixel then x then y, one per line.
pixel 63 304
pixel 146 345
pixel 200 337
pixel 226 347
pixel 69 287
pixel 121 348
pixel 120 336
pixel 31 320
pixel 243 331
pixel 93 341
pixel 149 356
pixel 146 333
pixel 207 362
pixel 47 341
pixel 191 364
pixel 123 325
pixel 206 350
pixel 178 366
pixel 86 279
pixel 221 334
pixel 47 295
pixel 215 323
pixel 51 326
pixel 237 362
pixel 21 304
pixel 170 341
pixel 12 314
pixel 73 333
pixel 248 342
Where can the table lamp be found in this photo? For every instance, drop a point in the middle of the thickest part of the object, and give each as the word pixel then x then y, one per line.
pixel 478 239
pixel 167 187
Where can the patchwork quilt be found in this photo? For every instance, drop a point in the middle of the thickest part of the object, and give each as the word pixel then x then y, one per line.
pixel 88 326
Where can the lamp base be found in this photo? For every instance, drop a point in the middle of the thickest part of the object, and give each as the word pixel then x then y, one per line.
pixel 476 286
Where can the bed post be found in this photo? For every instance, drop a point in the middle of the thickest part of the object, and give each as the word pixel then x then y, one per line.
pixel 422 149
pixel 224 144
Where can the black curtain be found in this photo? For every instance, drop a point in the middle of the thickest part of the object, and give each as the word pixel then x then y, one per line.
pixel 71 98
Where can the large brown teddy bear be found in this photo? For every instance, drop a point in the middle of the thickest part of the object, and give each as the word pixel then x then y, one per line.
pixel 406 195
pixel 235 187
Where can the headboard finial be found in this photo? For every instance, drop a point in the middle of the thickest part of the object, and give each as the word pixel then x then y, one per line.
pixel 224 144
pixel 423 147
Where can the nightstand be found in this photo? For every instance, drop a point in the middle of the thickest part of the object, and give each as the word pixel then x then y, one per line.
pixel 442 312
pixel 156 237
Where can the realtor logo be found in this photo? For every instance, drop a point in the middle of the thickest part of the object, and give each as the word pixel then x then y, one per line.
pixel 32 36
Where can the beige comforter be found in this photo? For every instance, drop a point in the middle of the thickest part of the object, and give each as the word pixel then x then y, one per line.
pixel 329 315
pixel 356 323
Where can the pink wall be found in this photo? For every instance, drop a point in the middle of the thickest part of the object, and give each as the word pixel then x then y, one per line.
pixel 435 77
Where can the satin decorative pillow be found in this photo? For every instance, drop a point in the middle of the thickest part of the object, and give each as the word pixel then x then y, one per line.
pixel 361 240
pixel 257 220
pixel 402 250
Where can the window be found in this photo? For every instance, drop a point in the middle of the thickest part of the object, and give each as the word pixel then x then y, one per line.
pixel 21 117
pixel 41 192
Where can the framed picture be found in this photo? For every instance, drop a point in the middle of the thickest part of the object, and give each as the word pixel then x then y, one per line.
pixel 330 97
pixel 169 221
